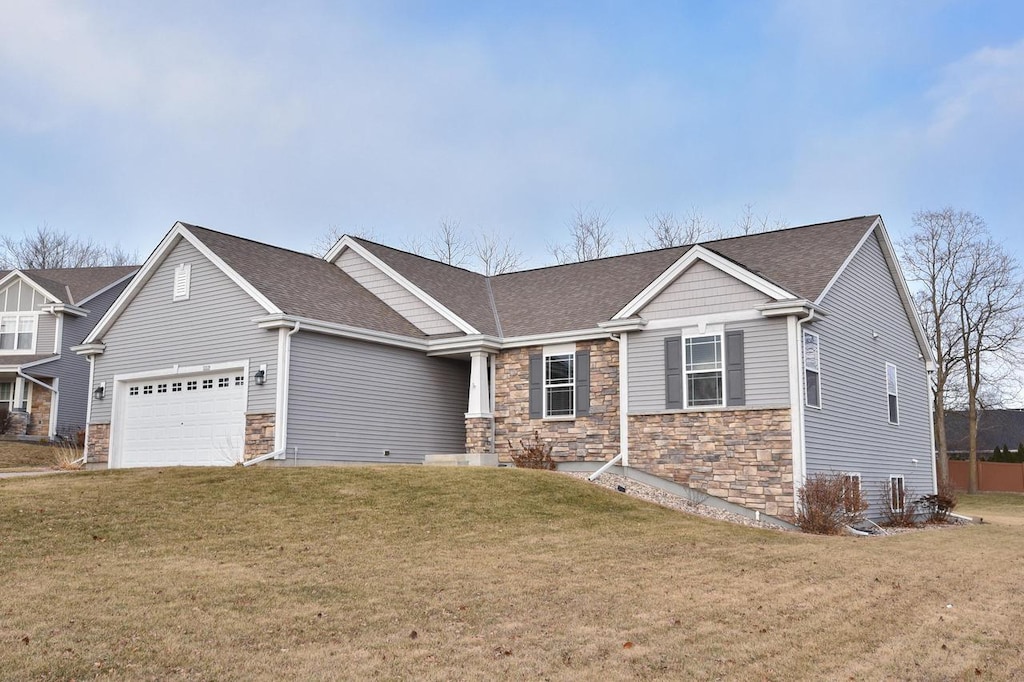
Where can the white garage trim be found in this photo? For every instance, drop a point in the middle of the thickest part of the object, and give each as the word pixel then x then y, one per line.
pixel 120 396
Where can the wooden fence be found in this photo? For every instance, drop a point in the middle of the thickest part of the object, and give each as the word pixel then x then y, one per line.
pixel 992 476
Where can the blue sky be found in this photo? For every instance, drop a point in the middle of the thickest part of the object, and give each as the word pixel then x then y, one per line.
pixel 277 121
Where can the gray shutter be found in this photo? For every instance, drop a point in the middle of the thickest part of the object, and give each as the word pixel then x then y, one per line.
pixel 735 380
pixel 582 383
pixel 536 386
pixel 674 373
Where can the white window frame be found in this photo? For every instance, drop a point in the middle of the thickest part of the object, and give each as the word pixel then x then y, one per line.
pixel 850 476
pixel 717 332
pixel 893 478
pixel 816 370
pixel 892 392
pixel 559 351
pixel 182 282
pixel 18 318
pixel 8 402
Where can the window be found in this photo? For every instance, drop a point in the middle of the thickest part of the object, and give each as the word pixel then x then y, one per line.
pixel 161 388
pixel 17 332
pixel 897 493
pixel 176 387
pixel 7 396
pixel 134 390
pixel 851 493
pixel 812 369
pixel 703 370
pixel 240 381
pixel 892 390
pixel 223 382
pixel 147 390
pixel 182 282
pixel 559 385
pixel 207 383
pixel 191 385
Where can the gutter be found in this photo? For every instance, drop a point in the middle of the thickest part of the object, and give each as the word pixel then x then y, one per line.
pixel 281 423
pixel 37 382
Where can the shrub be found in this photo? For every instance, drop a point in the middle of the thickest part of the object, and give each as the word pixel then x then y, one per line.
pixel 941 504
pixel 907 517
pixel 532 454
pixel 5 420
pixel 828 503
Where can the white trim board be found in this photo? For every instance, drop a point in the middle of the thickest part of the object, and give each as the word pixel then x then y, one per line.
pixel 698 252
pixel 177 233
pixel 348 242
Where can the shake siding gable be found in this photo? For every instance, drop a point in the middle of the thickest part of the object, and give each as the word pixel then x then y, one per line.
pixel 214 325
pixel 352 401
pixel 851 431
pixel 428 320
pixel 702 290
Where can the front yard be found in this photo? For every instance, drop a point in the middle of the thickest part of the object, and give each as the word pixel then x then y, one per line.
pixel 418 573
pixel 22 456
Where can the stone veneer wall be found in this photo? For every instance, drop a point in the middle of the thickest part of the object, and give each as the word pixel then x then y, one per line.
pixel 591 438
pixel 744 456
pixel 259 434
pixel 478 435
pixel 42 400
pixel 97 443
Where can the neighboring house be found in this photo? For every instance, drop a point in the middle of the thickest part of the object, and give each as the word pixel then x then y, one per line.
pixel 44 386
pixel 996 429
pixel 736 367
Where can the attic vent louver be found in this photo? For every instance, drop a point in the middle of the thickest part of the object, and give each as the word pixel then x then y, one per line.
pixel 182 281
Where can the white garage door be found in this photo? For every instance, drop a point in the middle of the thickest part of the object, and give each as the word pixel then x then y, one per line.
pixel 187 421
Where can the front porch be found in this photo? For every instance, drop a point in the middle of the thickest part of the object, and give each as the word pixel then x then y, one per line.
pixel 26 409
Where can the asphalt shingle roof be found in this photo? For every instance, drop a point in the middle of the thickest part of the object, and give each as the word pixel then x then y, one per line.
pixel 72 285
pixel 304 285
pixel 802 260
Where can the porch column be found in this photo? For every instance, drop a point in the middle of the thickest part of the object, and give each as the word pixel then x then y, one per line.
pixel 479 387
pixel 19 395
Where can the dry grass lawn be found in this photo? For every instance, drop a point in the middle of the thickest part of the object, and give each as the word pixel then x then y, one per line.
pixel 436 574
pixel 22 456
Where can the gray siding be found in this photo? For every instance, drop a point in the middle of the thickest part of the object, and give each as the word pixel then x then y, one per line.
pixel 213 325
pixel 73 369
pixel 46 333
pixel 702 290
pixel 851 432
pixel 766 365
pixel 383 287
pixel 349 401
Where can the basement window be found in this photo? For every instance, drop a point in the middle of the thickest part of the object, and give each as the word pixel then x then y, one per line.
pixel 897 493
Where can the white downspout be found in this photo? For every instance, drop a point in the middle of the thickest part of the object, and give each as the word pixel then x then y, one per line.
pixel 284 356
pixel 797 418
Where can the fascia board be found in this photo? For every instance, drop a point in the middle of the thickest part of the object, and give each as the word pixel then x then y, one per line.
pixel 698 252
pixel 176 234
pixel 18 274
pixel 348 243
pixel 106 288
pixel 342 330
pixel 904 291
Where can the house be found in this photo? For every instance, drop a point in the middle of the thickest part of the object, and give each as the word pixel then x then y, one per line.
pixel 44 386
pixel 736 367
pixel 996 429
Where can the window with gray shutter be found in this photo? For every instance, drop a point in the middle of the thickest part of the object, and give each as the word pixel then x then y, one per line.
pixel 735 381
pixel 674 373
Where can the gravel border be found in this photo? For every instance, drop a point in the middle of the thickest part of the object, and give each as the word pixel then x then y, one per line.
pixel 649 493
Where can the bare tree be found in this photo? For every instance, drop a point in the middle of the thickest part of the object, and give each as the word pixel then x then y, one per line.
pixel 326 241
pixel 991 316
pixel 752 223
pixel 495 254
pixel 449 244
pixel 589 237
pixel 51 248
pixel 665 230
pixel 936 254
pixel 971 307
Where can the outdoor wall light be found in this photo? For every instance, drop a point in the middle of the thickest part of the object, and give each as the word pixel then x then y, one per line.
pixel 260 377
pixel 98 392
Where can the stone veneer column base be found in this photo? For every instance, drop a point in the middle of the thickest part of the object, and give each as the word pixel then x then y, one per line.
pixel 39 423
pixel 97 443
pixel 259 434
pixel 743 456
pixel 478 435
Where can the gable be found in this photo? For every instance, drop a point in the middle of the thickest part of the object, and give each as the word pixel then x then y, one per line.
pixel 425 318
pixel 702 289
pixel 20 296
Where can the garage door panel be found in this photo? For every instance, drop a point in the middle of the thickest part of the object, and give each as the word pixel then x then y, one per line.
pixel 195 421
